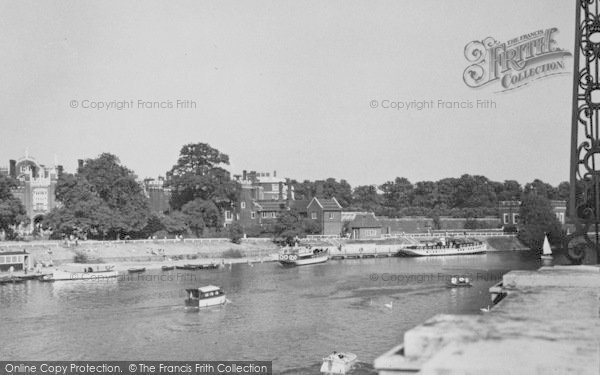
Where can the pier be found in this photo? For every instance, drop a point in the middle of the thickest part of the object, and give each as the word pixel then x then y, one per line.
pixel 547 323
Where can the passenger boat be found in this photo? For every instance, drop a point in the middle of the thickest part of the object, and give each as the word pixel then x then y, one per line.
pixel 301 256
pixel 338 363
pixel 87 274
pixel 168 268
pixel 443 248
pixel 136 270
pixel 205 297
pixel 457 282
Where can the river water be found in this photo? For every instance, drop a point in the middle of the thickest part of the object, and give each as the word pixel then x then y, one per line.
pixel 291 316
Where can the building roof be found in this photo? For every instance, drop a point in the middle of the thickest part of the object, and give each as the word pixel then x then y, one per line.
pixel 268 205
pixel 299 205
pixel 327 204
pixel 21 252
pixel 365 221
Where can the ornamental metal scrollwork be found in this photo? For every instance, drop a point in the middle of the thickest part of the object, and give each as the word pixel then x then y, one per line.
pixel 584 202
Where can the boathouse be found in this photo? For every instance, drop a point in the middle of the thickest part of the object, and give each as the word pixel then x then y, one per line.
pixel 18 260
pixel 365 227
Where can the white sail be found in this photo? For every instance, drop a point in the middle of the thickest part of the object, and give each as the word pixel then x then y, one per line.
pixel 547 249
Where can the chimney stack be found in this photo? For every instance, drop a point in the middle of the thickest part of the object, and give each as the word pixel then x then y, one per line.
pixel 59 170
pixel 79 164
pixel 13 168
pixel 34 172
pixel 289 189
pixel 244 175
pixel 274 173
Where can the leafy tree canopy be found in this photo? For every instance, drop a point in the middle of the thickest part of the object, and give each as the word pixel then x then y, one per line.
pixel 200 173
pixel 12 211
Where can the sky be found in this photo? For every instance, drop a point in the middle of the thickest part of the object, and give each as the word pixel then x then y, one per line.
pixel 281 85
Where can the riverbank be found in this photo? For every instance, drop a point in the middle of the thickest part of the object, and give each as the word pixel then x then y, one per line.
pixel 153 254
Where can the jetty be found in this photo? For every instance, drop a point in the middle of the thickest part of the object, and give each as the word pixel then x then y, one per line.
pixel 545 322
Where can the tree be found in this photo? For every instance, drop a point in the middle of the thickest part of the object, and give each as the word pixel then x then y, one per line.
pixel 541 188
pixel 536 218
pixel 175 223
pixel 236 233
pixel 366 198
pixel 200 214
pixel 511 191
pixel 290 225
pixel 397 194
pixel 102 199
pixel 12 211
pixel 341 191
pixel 424 194
pixel 200 173
pixel 563 191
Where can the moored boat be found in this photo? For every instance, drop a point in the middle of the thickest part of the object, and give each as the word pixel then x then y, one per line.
pixel 193 267
pixel 338 363
pixel 136 270
pixel 443 248
pixel 301 256
pixel 205 297
pixel 168 268
pixel 88 274
pixel 457 282
pixel 11 280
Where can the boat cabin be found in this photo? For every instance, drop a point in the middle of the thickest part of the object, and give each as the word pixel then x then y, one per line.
pixel 210 291
pixel 18 260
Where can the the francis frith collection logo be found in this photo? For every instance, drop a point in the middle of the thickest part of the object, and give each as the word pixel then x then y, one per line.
pixel 514 63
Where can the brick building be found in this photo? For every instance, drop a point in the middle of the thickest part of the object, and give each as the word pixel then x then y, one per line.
pixel 327 213
pixel 509 211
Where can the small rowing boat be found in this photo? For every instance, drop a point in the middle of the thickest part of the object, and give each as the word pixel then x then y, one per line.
pixel 136 270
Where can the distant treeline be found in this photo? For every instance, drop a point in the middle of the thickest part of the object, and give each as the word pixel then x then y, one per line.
pixel 468 196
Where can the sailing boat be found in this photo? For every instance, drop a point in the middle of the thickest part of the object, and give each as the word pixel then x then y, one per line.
pixel 547 250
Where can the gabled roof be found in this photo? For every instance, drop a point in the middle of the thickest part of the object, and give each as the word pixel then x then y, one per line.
pixel 365 221
pixel 299 205
pixel 326 204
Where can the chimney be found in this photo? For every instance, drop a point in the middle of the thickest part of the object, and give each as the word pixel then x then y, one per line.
pixel 274 173
pixel 244 175
pixel 289 189
pixel 79 164
pixel 13 168
pixel 34 171
pixel 59 170
pixel 280 191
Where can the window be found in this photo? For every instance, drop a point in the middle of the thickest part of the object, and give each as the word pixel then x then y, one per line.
pixel 515 218
pixel 331 215
pixel 2 261
pixel 243 205
pixel 264 214
pixel 228 215
pixel 252 215
pixel 505 218
pixel 313 215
